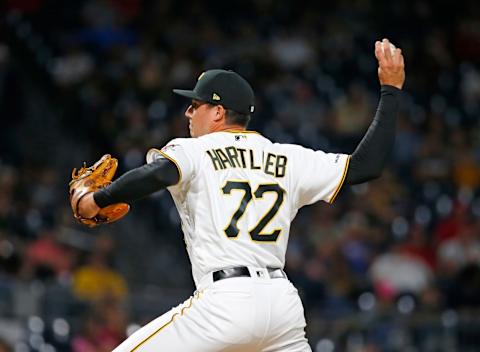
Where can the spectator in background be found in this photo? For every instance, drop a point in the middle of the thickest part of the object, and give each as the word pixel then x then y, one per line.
pixel 73 67
pixel 322 225
pixel 465 164
pixel 450 226
pixel 303 114
pixel 382 198
pixel 103 328
pixel 394 273
pixel 433 163
pixel 407 143
pixel 114 327
pixel 355 244
pixel 97 279
pixel 461 250
pixel 87 339
pixel 418 246
pixel 341 286
pixel 459 267
pixel 353 112
pixel 313 283
pixel 291 51
pixel 46 258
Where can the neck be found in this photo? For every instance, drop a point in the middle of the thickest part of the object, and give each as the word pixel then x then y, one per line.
pixel 229 127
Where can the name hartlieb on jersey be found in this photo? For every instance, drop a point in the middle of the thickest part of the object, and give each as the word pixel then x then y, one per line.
pixel 233 157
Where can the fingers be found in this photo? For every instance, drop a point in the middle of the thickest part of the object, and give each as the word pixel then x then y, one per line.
pixel 397 59
pixel 400 59
pixel 383 52
pixel 387 52
pixel 379 51
pixel 385 55
pixel 390 63
pixel 398 53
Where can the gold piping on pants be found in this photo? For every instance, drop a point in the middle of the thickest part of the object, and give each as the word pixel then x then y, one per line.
pixel 196 295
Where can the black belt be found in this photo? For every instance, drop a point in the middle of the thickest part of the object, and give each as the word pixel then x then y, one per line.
pixel 243 271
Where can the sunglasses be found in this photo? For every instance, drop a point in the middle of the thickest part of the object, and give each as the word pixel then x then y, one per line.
pixel 196 104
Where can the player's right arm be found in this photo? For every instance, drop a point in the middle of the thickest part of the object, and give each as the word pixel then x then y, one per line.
pixel 372 153
pixel 322 175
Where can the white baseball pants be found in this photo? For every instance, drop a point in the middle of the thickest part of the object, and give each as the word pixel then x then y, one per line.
pixel 236 314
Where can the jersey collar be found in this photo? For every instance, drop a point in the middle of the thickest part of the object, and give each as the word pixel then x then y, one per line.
pixel 239 131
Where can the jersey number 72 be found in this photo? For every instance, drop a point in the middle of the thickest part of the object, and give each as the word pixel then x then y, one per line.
pixel 255 233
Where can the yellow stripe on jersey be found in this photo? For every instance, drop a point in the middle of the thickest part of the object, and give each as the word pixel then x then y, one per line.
pixel 341 181
pixel 173 161
pixel 182 311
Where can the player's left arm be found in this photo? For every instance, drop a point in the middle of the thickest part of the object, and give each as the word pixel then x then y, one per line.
pixel 133 185
pixel 371 155
pixel 171 166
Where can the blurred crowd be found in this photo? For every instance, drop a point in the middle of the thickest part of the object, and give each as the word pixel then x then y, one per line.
pixel 81 79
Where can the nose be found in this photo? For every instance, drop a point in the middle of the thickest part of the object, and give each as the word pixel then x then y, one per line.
pixel 189 111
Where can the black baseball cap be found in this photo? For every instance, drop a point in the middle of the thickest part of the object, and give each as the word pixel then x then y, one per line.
pixel 222 87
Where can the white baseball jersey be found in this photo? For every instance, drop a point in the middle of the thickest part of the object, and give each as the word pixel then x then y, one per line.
pixel 238 193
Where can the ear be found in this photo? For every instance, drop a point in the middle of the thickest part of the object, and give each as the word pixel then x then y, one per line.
pixel 219 113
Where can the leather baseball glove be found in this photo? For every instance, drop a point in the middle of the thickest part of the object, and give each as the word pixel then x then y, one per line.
pixel 90 179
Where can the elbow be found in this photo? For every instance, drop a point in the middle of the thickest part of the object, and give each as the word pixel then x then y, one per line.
pixel 365 177
pixel 361 171
pixel 373 174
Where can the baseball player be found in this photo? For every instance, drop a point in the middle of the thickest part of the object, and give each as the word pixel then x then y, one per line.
pixel 237 193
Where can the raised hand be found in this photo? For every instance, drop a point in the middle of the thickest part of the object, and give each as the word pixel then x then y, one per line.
pixel 391 66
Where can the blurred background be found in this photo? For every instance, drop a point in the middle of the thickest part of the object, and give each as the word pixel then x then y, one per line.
pixel 393 265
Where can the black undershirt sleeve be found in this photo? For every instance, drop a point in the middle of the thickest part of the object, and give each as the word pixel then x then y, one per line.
pixel 373 151
pixel 138 183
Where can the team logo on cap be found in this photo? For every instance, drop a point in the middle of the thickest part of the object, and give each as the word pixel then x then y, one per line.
pixel 215 96
pixel 252 108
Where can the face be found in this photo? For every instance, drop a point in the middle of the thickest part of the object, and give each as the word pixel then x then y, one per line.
pixel 201 117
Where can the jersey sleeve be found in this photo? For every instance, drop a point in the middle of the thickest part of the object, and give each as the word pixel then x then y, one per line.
pixel 181 152
pixel 318 175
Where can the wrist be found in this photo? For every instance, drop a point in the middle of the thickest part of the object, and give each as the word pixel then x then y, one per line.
pixel 389 87
pixel 87 207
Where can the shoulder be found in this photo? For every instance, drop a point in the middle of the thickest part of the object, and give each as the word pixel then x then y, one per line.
pixel 291 148
pixel 173 149
pixel 188 145
pixel 182 142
